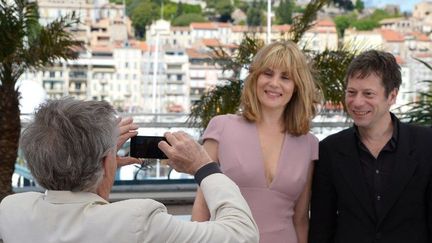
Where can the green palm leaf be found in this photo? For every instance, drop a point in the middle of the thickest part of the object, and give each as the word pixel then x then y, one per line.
pixel 25 44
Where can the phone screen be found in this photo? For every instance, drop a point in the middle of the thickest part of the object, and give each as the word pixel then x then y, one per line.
pixel 146 147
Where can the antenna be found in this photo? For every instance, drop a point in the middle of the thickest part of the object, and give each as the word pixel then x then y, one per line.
pixel 124 12
pixel 161 9
pixel 268 39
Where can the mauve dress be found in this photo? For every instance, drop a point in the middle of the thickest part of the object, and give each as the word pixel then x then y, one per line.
pixel 240 157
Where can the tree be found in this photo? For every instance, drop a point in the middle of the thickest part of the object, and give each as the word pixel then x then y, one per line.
pixel 343 22
pixel 254 14
pixel 184 8
pixel 24 45
pixel 186 19
pixel 180 9
pixel 142 13
pixel 242 5
pixel 372 21
pixel 344 4
pixel 169 11
pixel 365 24
pixel 191 8
pixel 380 14
pixel 210 3
pixel 224 8
pixel 284 12
pixel 359 6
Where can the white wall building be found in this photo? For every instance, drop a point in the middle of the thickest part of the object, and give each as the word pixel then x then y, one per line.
pixel 321 36
pixel 86 10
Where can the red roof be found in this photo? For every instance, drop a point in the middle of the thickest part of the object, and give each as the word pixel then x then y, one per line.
pixel 318 30
pixel 211 42
pixel 142 45
pixel 223 25
pixel 239 28
pixel 204 26
pixel 210 25
pixel 281 28
pixel 180 28
pixel 423 55
pixel 194 53
pixel 420 36
pixel 391 35
pixel 325 23
pixel 101 48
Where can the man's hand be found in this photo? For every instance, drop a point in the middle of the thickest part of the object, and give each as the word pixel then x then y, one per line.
pixel 184 154
pixel 127 129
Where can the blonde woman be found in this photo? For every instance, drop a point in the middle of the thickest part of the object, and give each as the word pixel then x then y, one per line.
pixel 267 149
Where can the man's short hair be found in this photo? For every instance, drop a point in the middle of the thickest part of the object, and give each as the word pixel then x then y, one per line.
pixel 383 64
pixel 65 144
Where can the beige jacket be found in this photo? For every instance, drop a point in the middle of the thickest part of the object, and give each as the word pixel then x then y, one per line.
pixel 63 216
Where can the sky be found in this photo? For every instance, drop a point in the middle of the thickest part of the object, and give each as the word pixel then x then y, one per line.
pixel 405 5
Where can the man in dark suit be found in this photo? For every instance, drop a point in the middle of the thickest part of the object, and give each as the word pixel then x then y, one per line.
pixel 372 182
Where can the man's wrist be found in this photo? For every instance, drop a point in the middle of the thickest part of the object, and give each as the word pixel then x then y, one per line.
pixel 206 170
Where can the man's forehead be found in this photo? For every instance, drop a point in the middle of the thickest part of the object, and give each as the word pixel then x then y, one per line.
pixel 365 74
pixel 372 81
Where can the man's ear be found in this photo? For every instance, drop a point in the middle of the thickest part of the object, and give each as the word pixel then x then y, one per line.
pixel 392 96
pixel 105 185
pixel 105 165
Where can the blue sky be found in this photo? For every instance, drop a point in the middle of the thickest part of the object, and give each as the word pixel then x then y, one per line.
pixel 405 5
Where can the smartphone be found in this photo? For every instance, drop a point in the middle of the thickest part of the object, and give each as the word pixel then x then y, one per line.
pixel 146 147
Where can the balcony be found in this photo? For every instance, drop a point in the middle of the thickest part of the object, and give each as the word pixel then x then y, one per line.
pixel 78 77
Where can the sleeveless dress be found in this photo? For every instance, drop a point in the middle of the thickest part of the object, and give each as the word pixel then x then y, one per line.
pixel 241 159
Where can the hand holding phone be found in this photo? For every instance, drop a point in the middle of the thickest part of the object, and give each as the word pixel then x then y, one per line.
pixel 146 147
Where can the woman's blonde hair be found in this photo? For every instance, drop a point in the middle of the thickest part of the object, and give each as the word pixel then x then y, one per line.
pixel 287 57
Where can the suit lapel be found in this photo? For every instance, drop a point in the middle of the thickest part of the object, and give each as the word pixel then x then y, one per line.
pixel 349 164
pixel 403 171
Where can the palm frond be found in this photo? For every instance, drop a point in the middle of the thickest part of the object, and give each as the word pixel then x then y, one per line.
pixel 53 42
pixel 304 22
pixel 330 67
pixel 424 63
pixel 420 111
pixel 222 99
pixel 25 44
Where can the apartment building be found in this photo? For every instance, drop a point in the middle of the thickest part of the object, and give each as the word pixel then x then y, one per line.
pixel 174 67
pixel 177 86
pixel 321 36
pixel 86 10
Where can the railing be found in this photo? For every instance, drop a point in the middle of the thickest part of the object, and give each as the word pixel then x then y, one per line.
pixel 158 181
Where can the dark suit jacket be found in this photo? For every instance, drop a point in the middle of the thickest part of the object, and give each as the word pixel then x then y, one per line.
pixel 342 209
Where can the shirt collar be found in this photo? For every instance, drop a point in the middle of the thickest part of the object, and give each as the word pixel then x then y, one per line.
pixel 395 135
pixel 66 197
